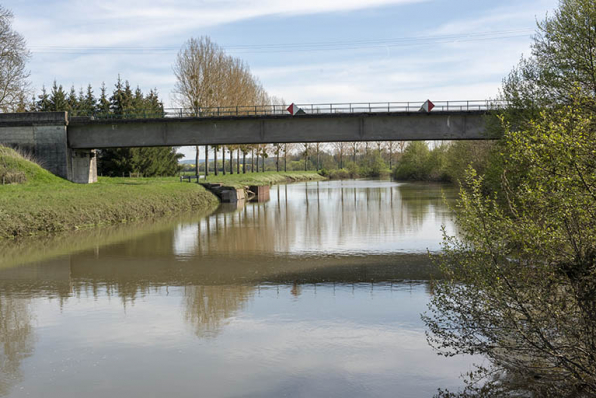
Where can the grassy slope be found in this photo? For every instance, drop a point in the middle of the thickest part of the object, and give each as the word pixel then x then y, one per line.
pixel 46 203
pixel 36 208
pixel 11 161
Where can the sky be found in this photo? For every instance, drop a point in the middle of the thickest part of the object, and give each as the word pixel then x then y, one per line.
pixel 304 51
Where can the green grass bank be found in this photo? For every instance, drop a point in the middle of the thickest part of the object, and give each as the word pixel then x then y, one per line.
pixel 265 178
pixel 33 201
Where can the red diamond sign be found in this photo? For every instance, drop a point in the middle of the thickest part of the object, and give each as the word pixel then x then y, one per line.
pixel 427 106
pixel 293 109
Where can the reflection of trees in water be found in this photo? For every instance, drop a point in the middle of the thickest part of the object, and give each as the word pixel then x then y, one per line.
pixel 16 339
pixel 208 307
pixel 127 291
pixel 317 217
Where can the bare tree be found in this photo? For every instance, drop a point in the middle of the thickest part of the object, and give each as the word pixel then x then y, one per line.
pixel 215 150
pixel 245 150
pixel 198 69
pixel 207 78
pixel 391 147
pixel 340 148
pixel 305 155
pixel 264 151
pixel 288 148
pixel 238 149
pixel 206 161
pixel 277 148
pixel 13 59
pixel 317 150
pixel 354 147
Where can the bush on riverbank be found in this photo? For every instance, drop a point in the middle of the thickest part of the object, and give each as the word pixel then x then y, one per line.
pixel 447 162
pixel 372 166
pixel 419 163
pixel 340 174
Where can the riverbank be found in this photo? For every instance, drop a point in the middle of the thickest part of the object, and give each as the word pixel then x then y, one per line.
pixel 47 204
pixel 38 208
pixel 266 178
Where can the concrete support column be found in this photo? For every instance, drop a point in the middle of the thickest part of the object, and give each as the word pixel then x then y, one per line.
pixel 82 166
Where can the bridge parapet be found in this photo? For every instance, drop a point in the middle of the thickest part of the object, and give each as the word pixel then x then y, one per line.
pixel 309 109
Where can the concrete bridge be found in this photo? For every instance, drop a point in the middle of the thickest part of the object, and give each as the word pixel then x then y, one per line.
pixel 66 146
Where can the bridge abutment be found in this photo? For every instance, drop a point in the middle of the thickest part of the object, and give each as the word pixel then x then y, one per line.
pixel 44 135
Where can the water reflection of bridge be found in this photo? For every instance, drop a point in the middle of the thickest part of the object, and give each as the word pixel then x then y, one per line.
pixel 212 293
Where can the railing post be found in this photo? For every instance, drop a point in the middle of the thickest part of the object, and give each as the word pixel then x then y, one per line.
pixel 369 108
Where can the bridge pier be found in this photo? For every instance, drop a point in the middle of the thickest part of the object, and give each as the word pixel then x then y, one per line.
pixel 44 135
pixel 82 166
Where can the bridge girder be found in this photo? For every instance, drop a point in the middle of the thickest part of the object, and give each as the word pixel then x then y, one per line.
pixel 265 129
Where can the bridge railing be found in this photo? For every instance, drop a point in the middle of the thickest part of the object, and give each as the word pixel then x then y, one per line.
pixel 318 109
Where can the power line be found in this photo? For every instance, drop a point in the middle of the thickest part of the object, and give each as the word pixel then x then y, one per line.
pixel 301 46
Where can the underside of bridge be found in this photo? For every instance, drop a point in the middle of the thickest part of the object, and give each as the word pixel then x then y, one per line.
pixel 67 147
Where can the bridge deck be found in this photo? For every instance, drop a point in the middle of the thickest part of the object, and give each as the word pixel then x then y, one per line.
pixel 85 133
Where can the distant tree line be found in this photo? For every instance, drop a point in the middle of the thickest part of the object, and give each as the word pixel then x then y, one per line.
pixel 333 160
pixel 122 101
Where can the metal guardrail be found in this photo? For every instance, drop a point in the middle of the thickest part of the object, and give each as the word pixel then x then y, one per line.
pixel 310 109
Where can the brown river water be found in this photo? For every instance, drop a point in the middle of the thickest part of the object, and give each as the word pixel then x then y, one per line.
pixel 316 293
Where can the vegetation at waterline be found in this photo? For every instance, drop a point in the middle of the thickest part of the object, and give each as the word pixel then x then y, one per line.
pixel 521 286
pixel 266 178
pixel 45 203
pixel 39 202
pixel 444 162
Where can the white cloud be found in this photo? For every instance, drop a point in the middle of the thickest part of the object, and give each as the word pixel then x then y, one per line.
pixel 126 22
pixel 451 68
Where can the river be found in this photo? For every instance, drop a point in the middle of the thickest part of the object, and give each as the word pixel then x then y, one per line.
pixel 315 293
